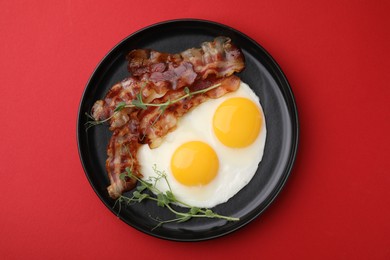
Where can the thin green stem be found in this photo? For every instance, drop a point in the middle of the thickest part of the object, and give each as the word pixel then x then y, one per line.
pixel 167 103
pixel 166 199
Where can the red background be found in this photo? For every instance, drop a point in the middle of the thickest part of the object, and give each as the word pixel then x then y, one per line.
pixel 336 204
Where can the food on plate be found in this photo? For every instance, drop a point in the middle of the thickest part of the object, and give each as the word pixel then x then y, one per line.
pixel 202 167
pixel 220 59
pixel 189 115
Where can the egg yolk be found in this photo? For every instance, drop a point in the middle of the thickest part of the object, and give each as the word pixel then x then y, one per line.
pixel 194 163
pixel 237 122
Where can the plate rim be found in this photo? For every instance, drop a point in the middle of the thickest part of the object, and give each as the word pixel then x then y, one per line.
pixel 293 112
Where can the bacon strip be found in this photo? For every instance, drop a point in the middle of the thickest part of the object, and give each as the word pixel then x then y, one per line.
pixel 122 153
pixel 155 125
pixel 220 58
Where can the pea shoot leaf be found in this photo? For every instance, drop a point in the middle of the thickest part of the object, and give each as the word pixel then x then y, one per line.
pixel 120 106
pixel 139 104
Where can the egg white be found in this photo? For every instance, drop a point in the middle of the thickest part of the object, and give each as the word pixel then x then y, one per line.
pixel 237 166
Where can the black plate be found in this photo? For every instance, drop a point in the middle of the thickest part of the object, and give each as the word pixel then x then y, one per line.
pixel 261 73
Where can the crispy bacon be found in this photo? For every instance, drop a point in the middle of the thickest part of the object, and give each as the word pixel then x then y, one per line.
pixel 124 91
pixel 160 77
pixel 155 125
pixel 220 58
pixel 122 153
pixel 161 68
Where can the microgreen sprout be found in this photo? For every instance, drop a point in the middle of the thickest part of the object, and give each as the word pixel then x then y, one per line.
pixel 145 190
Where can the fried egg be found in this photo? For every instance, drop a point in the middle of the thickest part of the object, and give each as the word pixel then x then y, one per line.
pixel 214 151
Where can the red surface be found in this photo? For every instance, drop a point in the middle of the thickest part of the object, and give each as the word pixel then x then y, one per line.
pixel 336 204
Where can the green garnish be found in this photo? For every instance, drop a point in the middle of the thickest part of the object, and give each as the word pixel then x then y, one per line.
pixel 139 103
pixel 164 199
